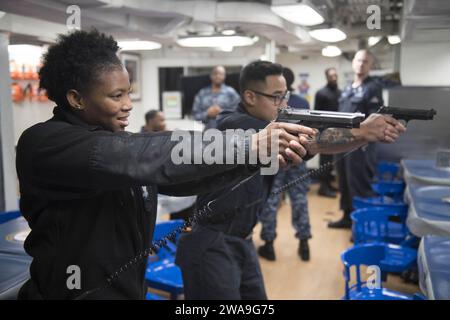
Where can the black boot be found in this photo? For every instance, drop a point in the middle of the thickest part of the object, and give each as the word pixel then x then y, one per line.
pixel 303 250
pixel 267 251
pixel 332 188
pixel 344 223
pixel 325 191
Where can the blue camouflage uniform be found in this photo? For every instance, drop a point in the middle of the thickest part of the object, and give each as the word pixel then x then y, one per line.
pixel 356 170
pixel 297 194
pixel 227 98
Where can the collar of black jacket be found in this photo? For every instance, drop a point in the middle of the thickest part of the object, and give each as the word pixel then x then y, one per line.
pixel 241 109
pixel 65 114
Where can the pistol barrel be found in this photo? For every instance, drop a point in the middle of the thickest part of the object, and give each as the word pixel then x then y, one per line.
pixel 408 113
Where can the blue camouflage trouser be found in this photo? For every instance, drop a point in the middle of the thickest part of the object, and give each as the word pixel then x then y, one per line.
pixel 299 205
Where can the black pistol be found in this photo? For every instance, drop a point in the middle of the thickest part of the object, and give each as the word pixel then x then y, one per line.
pixel 408 114
pixel 320 120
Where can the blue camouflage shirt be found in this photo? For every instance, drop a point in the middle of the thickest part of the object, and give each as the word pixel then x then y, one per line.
pixel 227 98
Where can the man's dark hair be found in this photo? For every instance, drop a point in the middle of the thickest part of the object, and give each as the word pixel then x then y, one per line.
pixel 256 72
pixel 288 74
pixel 327 70
pixel 150 115
pixel 75 61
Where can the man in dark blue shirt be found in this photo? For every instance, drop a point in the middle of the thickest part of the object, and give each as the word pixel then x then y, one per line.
pixel 218 258
pixel 356 171
pixel 327 99
pixel 297 195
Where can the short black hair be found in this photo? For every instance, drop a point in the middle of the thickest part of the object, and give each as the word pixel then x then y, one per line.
pixel 327 70
pixel 257 71
pixel 288 74
pixel 150 115
pixel 74 61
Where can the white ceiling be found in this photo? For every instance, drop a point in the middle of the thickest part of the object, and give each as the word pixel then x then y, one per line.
pixel 165 20
pixel 426 21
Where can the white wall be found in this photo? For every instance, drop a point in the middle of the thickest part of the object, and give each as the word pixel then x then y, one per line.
pixel 8 180
pixel 425 64
pixel 28 113
pixel 151 61
pixel 315 66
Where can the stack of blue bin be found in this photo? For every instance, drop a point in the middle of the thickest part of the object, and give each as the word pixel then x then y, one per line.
pixel 381 237
pixel 389 188
pixel 387 206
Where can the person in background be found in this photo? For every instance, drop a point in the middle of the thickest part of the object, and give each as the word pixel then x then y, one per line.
pixel 327 99
pixel 297 194
pixel 212 100
pixel 176 207
pixel 154 121
pixel 356 170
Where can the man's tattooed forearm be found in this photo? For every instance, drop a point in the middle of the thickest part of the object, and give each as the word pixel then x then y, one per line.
pixel 335 136
pixel 332 140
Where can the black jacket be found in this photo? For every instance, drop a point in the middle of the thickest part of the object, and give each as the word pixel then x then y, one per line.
pixel 237 214
pixel 327 99
pixel 81 194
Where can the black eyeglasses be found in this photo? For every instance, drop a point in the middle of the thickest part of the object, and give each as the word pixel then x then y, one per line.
pixel 277 99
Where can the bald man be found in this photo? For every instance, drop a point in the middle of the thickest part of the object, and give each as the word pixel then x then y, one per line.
pixel 356 170
pixel 212 100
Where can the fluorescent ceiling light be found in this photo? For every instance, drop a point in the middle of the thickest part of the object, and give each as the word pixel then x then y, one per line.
pixel 217 41
pixel 301 14
pixel 394 39
pixel 229 32
pixel 331 51
pixel 128 45
pixel 373 41
pixel 328 35
pixel 226 48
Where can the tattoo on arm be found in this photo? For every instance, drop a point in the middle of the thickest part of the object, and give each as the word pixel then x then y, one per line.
pixel 333 140
pixel 335 136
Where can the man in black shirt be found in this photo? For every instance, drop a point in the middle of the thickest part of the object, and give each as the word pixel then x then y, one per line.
pixel 327 99
pixel 356 171
pixel 217 258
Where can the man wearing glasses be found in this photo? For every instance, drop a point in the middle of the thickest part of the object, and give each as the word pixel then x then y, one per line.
pixel 297 195
pixel 217 258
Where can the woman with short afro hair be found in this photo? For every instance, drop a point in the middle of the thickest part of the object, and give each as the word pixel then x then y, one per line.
pixel 81 176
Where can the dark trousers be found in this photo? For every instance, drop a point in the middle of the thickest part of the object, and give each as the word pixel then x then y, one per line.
pixel 356 171
pixel 218 266
pixel 299 205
